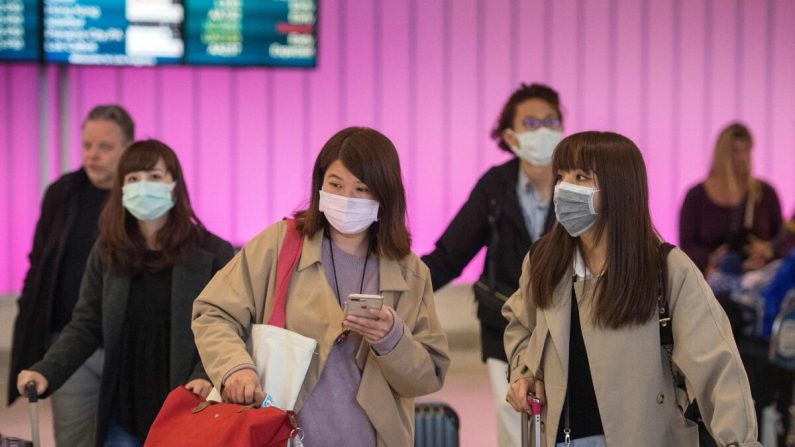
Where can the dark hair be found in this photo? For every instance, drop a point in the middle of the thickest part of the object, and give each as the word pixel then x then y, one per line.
pixel 116 114
pixel 373 159
pixel 523 93
pixel 122 244
pixel 627 293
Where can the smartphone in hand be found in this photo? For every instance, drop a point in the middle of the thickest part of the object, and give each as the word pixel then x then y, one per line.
pixel 359 303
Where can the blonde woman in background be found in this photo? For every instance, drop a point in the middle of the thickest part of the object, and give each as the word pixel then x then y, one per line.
pixel 731 212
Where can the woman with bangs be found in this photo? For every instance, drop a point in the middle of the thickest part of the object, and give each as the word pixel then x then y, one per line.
pixel 152 259
pixel 360 388
pixel 584 329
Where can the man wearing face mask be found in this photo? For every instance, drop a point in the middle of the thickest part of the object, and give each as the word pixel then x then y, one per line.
pixel 507 211
pixel 65 233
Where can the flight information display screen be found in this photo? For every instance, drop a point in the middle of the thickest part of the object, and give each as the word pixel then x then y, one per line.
pixel 114 32
pixel 20 30
pixel 251 32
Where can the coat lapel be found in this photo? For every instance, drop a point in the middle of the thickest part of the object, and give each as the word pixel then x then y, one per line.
pixel 188 278
pixel 559 320
pixel 114 300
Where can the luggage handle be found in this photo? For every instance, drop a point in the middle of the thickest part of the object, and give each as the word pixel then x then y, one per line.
pixel 33 398
pixel 535 406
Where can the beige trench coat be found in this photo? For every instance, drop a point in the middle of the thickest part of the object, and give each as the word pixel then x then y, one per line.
pixel 240 295
pixel 631 373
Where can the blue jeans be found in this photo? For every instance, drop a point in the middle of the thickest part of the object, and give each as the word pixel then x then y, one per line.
pixel 118 437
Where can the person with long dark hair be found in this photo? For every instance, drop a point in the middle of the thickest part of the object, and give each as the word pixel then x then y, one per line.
pixel 585 328
pixel 358 391
pixel 152 259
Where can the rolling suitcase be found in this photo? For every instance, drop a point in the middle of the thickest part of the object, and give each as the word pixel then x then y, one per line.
pixel 435 425
pixel 33 399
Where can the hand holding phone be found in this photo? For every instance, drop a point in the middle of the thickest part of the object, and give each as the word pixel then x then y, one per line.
pixel 359 303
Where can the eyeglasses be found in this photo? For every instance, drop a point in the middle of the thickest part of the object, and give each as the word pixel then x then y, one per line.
pixel 533 123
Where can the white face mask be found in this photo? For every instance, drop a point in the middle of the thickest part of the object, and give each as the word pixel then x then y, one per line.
pixel 537 146
pixel 348 215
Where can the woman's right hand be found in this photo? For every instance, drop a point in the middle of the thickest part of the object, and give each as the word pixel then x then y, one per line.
pixel 26 376
pixel 243 387
pixel 521 388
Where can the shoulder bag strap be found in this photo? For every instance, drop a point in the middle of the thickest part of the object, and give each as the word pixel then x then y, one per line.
pixel 285 266
pixel 494 238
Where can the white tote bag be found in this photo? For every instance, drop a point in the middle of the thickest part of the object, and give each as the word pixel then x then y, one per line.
pixel 282 358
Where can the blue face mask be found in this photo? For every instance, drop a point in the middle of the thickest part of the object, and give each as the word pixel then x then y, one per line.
pixel 148 200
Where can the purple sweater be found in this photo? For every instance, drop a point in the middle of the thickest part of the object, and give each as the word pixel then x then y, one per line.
pixel 705 225
pixel 331 415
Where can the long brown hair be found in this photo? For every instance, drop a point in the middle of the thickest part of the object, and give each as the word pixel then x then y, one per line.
pixel 373 159
pixel 123 246
pixel 627 293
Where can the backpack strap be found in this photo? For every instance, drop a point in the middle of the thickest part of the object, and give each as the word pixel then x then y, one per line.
pixel 285 266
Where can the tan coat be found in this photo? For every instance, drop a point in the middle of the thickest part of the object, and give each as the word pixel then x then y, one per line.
pixel 631 374
pixel 241 295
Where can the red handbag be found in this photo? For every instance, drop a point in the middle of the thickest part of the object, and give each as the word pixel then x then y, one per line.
pixel 188 420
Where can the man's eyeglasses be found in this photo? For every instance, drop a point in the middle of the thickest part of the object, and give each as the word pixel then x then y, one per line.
pixel 533 124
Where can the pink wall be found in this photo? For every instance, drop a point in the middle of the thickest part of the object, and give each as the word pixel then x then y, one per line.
pixel 432 76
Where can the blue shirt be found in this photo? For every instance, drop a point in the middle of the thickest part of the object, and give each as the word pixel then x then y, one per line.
pixel 534 210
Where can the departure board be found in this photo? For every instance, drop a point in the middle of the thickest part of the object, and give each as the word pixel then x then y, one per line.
pixel 20 30
pixel 279 33
pixel 113 32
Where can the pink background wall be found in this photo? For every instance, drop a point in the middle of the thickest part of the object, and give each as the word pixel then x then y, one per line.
pixel 432 75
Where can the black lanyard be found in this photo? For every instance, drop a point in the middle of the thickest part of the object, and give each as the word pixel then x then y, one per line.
pixel 334 268
pixel 567 404
pixel 344 334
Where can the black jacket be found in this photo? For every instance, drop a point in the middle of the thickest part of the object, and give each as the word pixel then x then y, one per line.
pixel 33 329
pixel 99 317
pixel 495 194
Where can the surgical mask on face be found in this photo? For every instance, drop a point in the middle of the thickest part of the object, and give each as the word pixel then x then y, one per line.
pixel 574 207
pixel 148 200
pixel 537 146
pixel 346 214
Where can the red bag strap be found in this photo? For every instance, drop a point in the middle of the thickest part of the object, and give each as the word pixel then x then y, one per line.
pixel 285 266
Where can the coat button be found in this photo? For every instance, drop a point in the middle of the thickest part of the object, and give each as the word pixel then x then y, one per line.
pixel 660 398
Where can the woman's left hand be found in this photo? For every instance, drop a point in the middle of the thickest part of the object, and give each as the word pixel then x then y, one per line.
pixel 372 329
pixel 200 387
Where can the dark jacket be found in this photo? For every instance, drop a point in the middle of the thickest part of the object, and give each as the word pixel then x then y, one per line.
pixel 99 317
pixel 495 194
pixel 33 328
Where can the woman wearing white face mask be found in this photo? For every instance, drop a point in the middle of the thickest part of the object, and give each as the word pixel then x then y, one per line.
pixel 603 316
pixel 360 386
pixel 508 209
pixel 152 259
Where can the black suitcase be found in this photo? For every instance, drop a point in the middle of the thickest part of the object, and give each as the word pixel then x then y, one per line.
pixel 435 425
